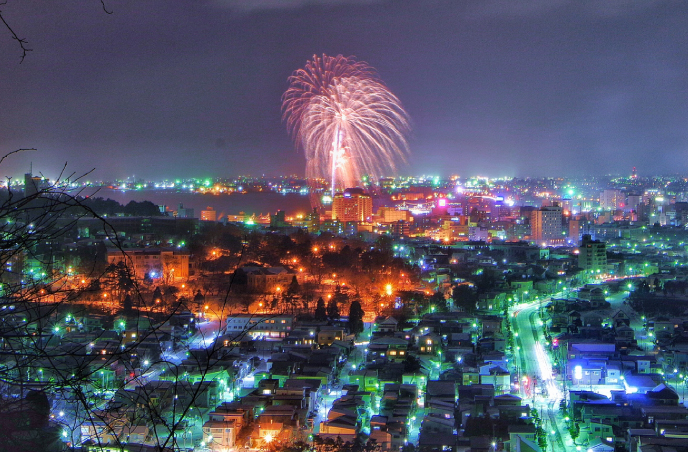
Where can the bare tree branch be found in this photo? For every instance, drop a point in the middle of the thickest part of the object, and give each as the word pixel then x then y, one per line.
pixel 102 2
pixel 18 150
pixel 22 42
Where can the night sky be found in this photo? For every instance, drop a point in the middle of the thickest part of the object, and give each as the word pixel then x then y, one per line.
pixel 168 89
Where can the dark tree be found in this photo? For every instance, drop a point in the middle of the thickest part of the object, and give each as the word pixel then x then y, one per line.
pixel 356 314
pixel 340 297
pixel 320 311
pixel 294 288
pixel 412 364
pixel 464 297
pixel 438 301
pixel 333 309
pixel 157 296
pixel 128 305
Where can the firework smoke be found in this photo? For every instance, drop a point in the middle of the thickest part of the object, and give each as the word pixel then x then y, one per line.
pixel 345 120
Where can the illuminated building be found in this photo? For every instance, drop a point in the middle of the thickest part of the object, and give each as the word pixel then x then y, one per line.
pixel 209 214
pixel 352 205
pixel 167 264
pixel 268 280
pixel 612 199
pixel 401 229
pixel 221 429
pixel 545 225
pixel 592 256
pixel 260 326
pixel 392 215
pixel 578 227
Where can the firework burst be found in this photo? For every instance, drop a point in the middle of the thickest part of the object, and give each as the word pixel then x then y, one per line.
pixel 345 120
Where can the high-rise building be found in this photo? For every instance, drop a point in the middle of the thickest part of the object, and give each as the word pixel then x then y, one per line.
pixel 592 255
pixel 545 225
pixel 612 199
pixel 401 228
pixel 278 220
pixel 184 212
pixel 34 184
pixel 352 205
pixel 209 214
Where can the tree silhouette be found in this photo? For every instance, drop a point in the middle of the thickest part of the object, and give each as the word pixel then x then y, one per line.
pixel 320 314
pixel 333 309
pixel 356 314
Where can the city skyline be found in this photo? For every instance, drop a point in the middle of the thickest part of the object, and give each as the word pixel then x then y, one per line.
pixel 540 88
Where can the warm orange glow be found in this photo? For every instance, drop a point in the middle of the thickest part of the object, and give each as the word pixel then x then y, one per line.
pixel 388 289
pixel 206 307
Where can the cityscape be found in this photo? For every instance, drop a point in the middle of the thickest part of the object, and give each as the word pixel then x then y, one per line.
pixel 344 226
pixel 419 313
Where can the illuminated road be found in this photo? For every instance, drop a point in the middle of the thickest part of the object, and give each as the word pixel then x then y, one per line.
pixel 534 362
